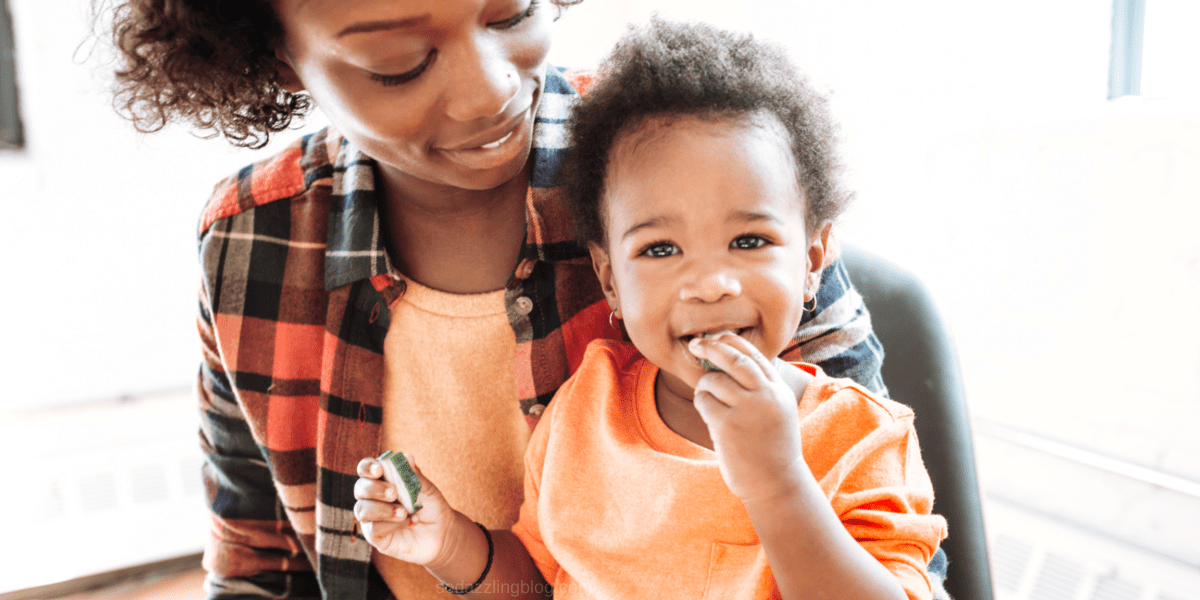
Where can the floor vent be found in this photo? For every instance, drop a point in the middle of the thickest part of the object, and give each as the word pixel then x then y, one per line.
pixel 1035 558
pixel 1010 559
pixel 1058 579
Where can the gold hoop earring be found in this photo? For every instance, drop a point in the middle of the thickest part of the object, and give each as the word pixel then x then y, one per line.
pixel 613 320
pixel 812 303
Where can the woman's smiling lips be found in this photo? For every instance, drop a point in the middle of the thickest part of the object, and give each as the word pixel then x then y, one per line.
pixel 496 147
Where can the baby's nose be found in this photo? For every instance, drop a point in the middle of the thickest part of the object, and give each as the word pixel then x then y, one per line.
pixel 712 286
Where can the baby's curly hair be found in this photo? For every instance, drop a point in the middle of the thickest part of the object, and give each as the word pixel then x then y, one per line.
pixel 210 63
pixel 669 69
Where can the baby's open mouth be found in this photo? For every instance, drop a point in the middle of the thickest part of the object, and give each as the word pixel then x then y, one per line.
pixel 704 363
pixel 711 334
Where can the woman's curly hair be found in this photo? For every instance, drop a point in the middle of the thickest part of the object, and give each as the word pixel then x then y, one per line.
pixel 669 69
pixel 210 63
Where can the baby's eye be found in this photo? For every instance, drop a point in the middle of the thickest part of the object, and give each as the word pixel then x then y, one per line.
pixel 660 250
pixel 748 242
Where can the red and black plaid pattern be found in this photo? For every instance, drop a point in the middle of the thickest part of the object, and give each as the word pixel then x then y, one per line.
pixel 294 306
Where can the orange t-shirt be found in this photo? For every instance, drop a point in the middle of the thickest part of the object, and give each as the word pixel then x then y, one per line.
pixel 617 505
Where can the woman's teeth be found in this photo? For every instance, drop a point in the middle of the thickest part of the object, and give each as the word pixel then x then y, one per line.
pixel 496 144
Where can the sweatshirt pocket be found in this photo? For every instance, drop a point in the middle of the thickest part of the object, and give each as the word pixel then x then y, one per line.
pixel 737 571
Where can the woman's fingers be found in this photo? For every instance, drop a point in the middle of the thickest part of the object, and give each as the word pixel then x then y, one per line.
pixel 367 511
pixel 374 489
pixel 369 468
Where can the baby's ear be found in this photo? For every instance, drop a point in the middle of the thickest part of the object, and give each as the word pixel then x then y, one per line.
pixel 821 250
pixel 603 267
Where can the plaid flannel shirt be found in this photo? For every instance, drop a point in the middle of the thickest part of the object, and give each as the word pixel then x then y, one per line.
pixel 294 306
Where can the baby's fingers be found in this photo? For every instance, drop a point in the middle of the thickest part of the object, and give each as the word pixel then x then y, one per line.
pixel 736 358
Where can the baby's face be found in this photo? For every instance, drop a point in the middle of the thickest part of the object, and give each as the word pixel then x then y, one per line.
pixel 706 232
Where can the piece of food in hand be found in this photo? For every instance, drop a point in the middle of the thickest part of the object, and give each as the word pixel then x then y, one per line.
pixel 401 474
pixel 704 362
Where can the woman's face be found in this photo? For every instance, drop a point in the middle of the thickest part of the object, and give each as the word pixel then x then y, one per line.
pixel 437 91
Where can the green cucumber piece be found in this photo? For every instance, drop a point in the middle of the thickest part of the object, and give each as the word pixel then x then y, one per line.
pixel 401 474
pixel 704 362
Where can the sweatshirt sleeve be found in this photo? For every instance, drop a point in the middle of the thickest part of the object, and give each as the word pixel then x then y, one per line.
pixel 864 452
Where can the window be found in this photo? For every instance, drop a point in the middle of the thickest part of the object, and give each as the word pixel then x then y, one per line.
pixel 10 118
pixel 1125 64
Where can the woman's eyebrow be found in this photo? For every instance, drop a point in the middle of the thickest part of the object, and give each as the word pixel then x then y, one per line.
pixel 370 26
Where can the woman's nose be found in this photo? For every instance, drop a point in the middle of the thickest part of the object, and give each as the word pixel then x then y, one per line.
pixel 711 286
pixel 484 81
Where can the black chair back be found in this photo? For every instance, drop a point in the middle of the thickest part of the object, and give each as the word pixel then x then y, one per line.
pixel 921 370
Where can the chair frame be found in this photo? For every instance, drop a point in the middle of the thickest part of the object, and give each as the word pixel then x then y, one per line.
pixel 921 370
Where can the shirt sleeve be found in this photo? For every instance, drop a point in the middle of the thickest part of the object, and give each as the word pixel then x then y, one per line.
pixel 527 528
pixel 865 455
pixel 252 550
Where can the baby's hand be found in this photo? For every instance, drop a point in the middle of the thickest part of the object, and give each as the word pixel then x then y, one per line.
pixel 752 416
pixel 420 537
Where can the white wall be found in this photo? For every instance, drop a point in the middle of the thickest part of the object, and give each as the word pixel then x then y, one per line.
pixel 99 228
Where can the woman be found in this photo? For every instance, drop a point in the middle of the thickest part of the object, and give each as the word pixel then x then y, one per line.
pixel 404 279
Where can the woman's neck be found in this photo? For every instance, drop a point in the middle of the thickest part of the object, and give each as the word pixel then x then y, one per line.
pixel 455 240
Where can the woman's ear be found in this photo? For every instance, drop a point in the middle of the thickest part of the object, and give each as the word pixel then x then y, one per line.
pixel 819 250
pixel 603 268
pixel 288 79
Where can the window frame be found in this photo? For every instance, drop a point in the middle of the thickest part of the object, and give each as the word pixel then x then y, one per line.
pixel 11 132
pixel 1125 62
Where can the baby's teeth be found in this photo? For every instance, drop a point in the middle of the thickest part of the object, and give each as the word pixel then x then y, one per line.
pixel 496 144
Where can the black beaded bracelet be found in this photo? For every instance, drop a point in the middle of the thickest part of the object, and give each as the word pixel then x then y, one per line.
pixel 486 568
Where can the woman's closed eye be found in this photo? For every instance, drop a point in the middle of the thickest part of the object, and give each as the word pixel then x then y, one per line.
pixel 748 242
pixel 516 19
pixel 407 76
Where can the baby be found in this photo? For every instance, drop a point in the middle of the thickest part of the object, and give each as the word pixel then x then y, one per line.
pixel 693 462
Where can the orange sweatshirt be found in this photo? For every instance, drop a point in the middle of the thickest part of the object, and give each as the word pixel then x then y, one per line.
pixel 617 505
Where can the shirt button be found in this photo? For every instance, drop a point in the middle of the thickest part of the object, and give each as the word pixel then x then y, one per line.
pixel 536 410
pixel 524 305
pixel 525 269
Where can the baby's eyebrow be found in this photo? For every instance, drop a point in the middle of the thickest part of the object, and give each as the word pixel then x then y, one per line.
pixel 648 223
pixel 740 216
pixel 747 216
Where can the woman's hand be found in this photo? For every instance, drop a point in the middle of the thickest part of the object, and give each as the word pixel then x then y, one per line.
pixel 425 537
pixel 753 418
